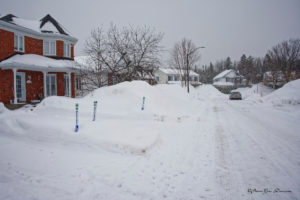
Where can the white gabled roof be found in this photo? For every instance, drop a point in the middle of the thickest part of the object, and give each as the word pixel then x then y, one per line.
pixel 45 27
pixel 172 71
pixel 223 84
pixel 222 74
pixel 38 63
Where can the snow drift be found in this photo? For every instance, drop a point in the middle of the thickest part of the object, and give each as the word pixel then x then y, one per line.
pixel 287 95
pixel 2 108
pixel 121 125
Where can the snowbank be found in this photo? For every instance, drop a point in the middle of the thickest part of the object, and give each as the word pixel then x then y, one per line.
pixel 121 125
pixel 126 98
pixel 287 95
pixel 2 108
pixel 254 92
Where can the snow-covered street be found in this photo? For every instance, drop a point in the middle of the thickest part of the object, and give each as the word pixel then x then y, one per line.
pixel 197 146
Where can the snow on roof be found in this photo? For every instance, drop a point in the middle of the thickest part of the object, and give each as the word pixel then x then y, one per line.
pixel 37 62
pixel 30 24
pixel 222 74
pixel 220 83
pixel 46 25
pixel 176 71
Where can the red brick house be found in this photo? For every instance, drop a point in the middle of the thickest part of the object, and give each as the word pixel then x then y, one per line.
pixel 36 60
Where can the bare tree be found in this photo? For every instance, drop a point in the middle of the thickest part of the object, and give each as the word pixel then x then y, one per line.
pixel 129 53
pixel 284 57
pixel 183 57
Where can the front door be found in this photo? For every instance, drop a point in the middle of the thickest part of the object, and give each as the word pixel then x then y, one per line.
pixel 20 86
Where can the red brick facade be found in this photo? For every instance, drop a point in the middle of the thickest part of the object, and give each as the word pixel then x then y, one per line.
pixel 6 44
pixel 72 51
pixel 33 46
pixel 6 86
pixel 59 48
pixel 34 84
pixel 34 81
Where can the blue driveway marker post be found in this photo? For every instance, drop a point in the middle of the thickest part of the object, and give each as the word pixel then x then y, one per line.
pixel 76 108
pixel 143 105
pixel 95 109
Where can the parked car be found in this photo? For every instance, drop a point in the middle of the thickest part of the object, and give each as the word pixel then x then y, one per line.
pixel 235 96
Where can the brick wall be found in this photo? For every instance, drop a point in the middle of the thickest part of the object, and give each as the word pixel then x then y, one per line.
pixel 34 84
pixel 59 48
pixel 72 51
pixel 6 86
pixel 6 44
pixel 33 46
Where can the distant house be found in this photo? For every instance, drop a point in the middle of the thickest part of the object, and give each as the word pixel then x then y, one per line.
pixel 228 78
pixel 276 79
pixel 36 60
pixel 171 76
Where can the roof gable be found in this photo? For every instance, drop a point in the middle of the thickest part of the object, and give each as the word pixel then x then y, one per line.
pixel 41 26
pixel 224 73
pixel 47 19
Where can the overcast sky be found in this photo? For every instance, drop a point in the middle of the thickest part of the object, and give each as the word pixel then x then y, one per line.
pixel 225 28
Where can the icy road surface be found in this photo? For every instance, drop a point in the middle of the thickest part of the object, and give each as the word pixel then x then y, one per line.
pixel 222 150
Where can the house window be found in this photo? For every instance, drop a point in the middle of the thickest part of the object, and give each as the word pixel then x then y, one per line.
pixel 19 43
pixel 170 78
pixel 50 48
pixel 67 50
pixel 78 83
pixel 196 79
pixel 51 86
pixel 157 78
pixel 67 85
pixel 177 78
pixel 114 80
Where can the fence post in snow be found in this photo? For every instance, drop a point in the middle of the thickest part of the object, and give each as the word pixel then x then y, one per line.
pixel 76 126
pixel 95 109
pixel 143 105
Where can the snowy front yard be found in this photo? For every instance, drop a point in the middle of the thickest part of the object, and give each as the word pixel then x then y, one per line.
pixel 197 146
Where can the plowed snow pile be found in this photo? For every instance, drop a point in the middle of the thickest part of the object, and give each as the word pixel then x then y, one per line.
pixel 289 94
pixel 181 146
pixel 121 124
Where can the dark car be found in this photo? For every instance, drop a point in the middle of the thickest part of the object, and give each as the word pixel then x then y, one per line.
pixel 235 96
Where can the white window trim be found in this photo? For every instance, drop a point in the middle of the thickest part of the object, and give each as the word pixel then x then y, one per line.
pixel 18 46
pixel 67 55
pixel 49 77
pixel 49 41
pixel 67 89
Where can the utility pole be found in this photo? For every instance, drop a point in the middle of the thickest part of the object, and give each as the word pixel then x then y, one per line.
pixel 188 67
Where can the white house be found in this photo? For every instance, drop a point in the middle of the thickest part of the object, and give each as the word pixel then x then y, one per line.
pixel 170 76
pixel 228 78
